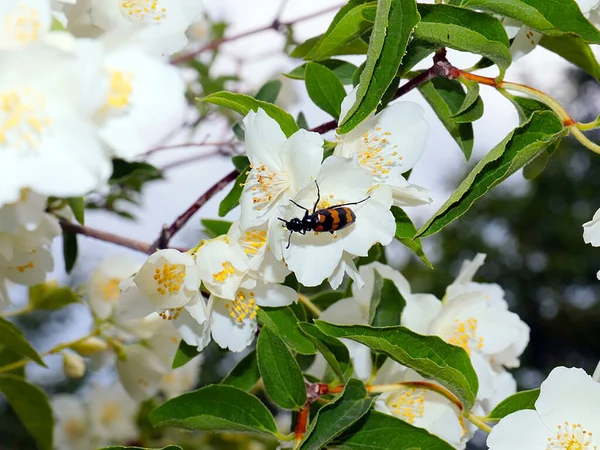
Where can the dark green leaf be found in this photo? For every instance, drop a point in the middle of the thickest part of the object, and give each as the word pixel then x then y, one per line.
pixel 471 114
pixel 516 402
pixel 45 296
pixel 77 205
pixel 13 340
pixel 215 408
pixel 430 356
pixel 31 406
pixel 378 431
pixel 416 52
pixel 70 250
pixel 535 168
pixel 243 104
pixel 333 350
pixel 446 97
pixel 215 228
pixel 133 173
pixel 185 353
pixel 245 374
pixel 465 30
pixel 324 88
pixel 240 162
pixel 343 70
pixel 520 147
pixel 574 50
pixel 526 107
pixel 301 120
pixel 280 372
pixel 406 232
pixel 284 322
pixel 8 357
pixel 471 97
pixel 392 30
pixel 120 447
pixel 232 199
pixel 337 416
pixel 376 253
pixel 326 299
pixel 269 91
pixel 387 303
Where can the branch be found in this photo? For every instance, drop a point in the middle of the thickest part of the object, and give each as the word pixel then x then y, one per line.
pixel 70 227
pixel 189 144
pixel 275 25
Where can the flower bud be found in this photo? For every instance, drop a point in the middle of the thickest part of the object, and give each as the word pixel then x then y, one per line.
pixel 90 346
pixel 73 365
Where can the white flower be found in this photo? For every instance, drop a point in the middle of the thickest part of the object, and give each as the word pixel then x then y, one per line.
pixel 103 287
pixel 280 167
pixel 167 19
pixel 389 144
pixel 233 322
pixel 503 385
pixel 28 212
pixel 591 230
pixel 72 430
pixel 141 371
pixel 47 141
pixel 112 413
pixel 314 256
pixel 23 22
pixel 182 379
pixel 566 416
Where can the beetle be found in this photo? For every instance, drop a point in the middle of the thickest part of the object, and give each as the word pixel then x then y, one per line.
pixel 329 219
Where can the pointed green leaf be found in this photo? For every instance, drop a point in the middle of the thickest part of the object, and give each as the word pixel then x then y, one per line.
pixel 343 70
pixel 215 408
pixel 406 232
pixel 324 88
pixel 243 104
pixel 240 162
pixel 8 357
pixel 13 340
pixel 326 299
pixel 77 205
pixel 387 303
pixel 337 416
pixel 416 52
pixel 393 28
pixel 333 350
pixel 185 353
pixel 31 406
pixel 430 356
pixel 465 30
pixel 520 147
pixel 45 296
pixel 471 97
pixel 280 372
pixel 215 228
pixel 284 322
pixel 70 250
pixel 536 167
pixel 516 402
pixel 232 199
pixel 378 431
pixel 472 113
pixel 245 374
pixel 575 50
pixel 269 91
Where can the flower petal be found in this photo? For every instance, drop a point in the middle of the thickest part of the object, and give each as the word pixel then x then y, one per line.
pixel 523 430
pixel 591 230
pixel 227 332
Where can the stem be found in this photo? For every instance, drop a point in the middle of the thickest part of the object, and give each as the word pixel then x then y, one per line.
pixel 477 421
pixel 309 304
pixel 381 388
pixel 301 424
pixel 582 138
pixel 188 144
pixel 275 25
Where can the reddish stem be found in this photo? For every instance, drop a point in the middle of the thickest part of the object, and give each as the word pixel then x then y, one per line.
pixel 104 236
pixel 302 422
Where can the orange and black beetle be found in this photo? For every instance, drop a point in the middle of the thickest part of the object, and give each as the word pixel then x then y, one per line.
pixel 329 219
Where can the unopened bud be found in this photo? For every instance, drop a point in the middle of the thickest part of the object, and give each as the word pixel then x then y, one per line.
pixel 90 346
pixel 73 365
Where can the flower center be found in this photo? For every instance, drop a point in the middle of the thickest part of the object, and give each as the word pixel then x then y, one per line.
pixel 571 437
pixel 169 278
pixel 377 154
pixel 227 271
pixel 266 185
pixel 110 290
pixel 465 335
pixel 75 427
pixel 23 268
pixel 244 306
pixel 23 118
pixel 110 413
pixel 407 404
pixel 252 241
pixel 119 91
pixel 171 314
pixel 140 11
pixel 23 24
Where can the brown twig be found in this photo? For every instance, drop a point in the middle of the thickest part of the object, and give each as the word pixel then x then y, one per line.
pixel 188 144
pixel 275 25
pixel 71 227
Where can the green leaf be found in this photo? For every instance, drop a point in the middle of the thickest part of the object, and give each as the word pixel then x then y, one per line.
pixel 47 296
pixel 185 353
pixel 133 174
pixel 245 374
pixel 555 18
pixel 526 107
pixel 516 402
pixel 280 372
pixel 575 50
pixel 471 97
pixel 77 205
pixel 535 168
pixel 324 89
pixel 520 147
pixel 387 303
pixel 416 52
pixel 465 30
pixel 31 406
pixel 405 233
pixel 392 30
pixel 376 253
pixel 337 416
pixel 243 104
pixel 343 70
pixel 215 228
pixel 8 357
pixel 333 350
pixel 70 250
pixel 240 162
pixel 232 199
pixel 215 408
pixel 446 97
pixel 284 322
pixel 13 340
pixel 378 431
pixel 120 447
pixel 269 91
pixel 472 113
pixel 430 356
pixel 325 299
